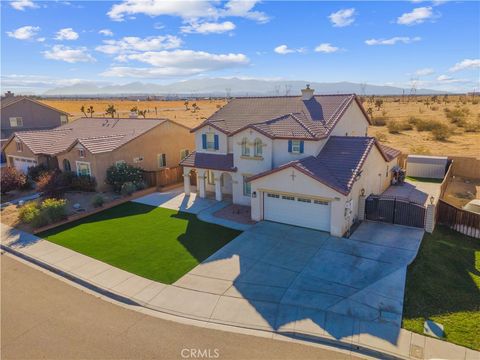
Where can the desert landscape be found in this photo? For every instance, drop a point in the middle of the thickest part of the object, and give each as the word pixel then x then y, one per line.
pixel 430 125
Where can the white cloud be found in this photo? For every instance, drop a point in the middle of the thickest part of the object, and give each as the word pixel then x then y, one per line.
pixel 424 72
pixel 208 27
pixel 343 17
pixel 23 4
pixel 41 39
pixel 175 63
pixel 24 32
pixel 134 44
pixel 66 34
pixel 416 16
pixel 326 48
pixel 445 79
pixel 466 64
pixel 244 8
pixel 68 54
pixel 393 41
pixel 284 49
pixel 106 32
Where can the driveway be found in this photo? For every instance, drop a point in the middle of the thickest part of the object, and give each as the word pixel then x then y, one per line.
pixel 279 276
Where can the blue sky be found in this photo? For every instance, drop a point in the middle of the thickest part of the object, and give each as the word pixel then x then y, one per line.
pixel 46 44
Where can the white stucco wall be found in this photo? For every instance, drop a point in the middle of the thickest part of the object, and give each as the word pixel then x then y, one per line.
pixel 282 156
pixel 352 123
pixel 222 140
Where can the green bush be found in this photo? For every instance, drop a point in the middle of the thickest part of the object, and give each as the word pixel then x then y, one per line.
pixel 54 209
pixel 118 175
pixel 395 126
pixel 41 214
pixel 98 201
pixel 34 172
pixel 128 189
pixel 11 179
pixel 84 183
pixel 28 212
pixel 441 132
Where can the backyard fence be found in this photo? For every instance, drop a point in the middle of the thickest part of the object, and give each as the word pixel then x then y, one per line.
pixel 465 222
pixel 164 177
pixel 446 179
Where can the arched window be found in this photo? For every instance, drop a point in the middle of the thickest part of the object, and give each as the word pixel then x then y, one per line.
pixel 258 147
pixel 245 148
pixel 66 165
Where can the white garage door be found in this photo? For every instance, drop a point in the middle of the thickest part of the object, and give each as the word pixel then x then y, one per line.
pixel 22 164
pixel 297 210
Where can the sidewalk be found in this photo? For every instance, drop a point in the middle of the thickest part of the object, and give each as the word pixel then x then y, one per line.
pixel 215 306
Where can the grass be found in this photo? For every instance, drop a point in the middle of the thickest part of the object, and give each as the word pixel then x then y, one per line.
pixel 155 243
pixel 443 284
pixel 423 179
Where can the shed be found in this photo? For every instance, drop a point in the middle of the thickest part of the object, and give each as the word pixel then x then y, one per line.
pixel 427 166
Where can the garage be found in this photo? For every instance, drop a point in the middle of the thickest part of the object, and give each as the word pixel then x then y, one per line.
pixel 22 164
pixel 297 210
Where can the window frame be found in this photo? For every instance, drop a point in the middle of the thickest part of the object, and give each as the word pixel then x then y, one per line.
pixel 163 158
pixel 245 147
pixel 80 163
pixel 16 118
pixel 63 119
pixel 210 145
pixel 258 147
pixel 247 186
pixel 19 145
pixel 81 153
pixel 296 144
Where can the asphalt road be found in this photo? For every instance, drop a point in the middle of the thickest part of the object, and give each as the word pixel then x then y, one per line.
pixel 43 317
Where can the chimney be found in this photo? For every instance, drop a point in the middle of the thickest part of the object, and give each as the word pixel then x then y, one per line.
pixel 307 93
pixel 9 94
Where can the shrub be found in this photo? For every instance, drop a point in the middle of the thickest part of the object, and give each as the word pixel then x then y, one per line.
pixel 84 183
pixel 54 209
pixel 41 214
pixel 472 126
pixel 427 125
pixel 117 176
pixel 66 178
pixel 395 126
pixel 98 201
pixel 379 120
pixel 128 188
pixel 28 212
pixel 434 108
pixel 34 172
pixel 12 179
pixel 441 132
pixel 419 150
pixel 457 116
pixel 48 184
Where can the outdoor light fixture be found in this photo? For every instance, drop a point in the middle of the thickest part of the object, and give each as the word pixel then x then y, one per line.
pixel 432 199
pixel 254 194
pixel 362 192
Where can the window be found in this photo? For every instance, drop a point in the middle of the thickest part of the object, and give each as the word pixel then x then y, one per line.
pixel 320 202
pixel 16 122
pixel 63 119
pixel 211 141
pixel 258 147
pixel 304 200
pixel 247 187
pixel 184 153
pixel 296 146
pixel 66 165
pixel 81 153
pixel 162 160
pixel 245 148
pixel 284 197
pixel 276 196
pixel 19 145
pixel 119 162
pixel 83 169
pixel 210 177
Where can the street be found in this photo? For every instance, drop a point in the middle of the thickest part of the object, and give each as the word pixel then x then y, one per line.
pixel 43 317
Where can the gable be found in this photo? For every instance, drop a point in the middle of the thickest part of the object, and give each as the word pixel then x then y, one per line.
pixel 353 122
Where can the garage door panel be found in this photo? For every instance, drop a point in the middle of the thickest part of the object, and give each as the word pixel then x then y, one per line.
pixel 22 164
pixel 297 210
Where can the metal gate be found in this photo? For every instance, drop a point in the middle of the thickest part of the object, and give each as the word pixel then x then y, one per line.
pixel 394 210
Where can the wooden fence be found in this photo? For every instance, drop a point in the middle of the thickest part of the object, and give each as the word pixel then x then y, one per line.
pixel 463 221
pixel 446 179
pixel 164 177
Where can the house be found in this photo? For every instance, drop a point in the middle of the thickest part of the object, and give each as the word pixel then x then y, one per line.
pixel 301 160
pixel 19 113
pixel 88 146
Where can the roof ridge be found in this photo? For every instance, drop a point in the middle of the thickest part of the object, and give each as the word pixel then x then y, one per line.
pixel 340 109
pixel 310 131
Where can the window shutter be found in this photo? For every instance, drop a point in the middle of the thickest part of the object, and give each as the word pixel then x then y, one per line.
pixel 301 147
pixel 289 145
pixel 204 141
pixel 215 139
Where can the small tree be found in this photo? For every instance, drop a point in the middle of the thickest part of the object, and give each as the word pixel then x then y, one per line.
pixel 117 175
pixel 370 112
pixel 134 109
pixel 142 113
pixel 82 109
pixel 186 105
pixel 90 110
pixel 12 179
pixel 378 104
pixel 110 110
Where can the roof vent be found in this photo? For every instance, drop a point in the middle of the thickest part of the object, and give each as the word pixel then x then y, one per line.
pixel 307 93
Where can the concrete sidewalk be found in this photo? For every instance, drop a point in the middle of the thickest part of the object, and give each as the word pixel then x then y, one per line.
pixel 216 306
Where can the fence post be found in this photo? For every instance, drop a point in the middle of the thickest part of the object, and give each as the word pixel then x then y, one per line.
pixel 430 218
pixel 361 207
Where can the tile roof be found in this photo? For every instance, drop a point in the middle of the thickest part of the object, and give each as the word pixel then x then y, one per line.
pixel 209 161
pixel 389 152
pixel 7 101
pixel 282 116
pixel 338 163
pixel 97 135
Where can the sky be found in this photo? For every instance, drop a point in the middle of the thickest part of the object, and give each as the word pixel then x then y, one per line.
pixel 47 44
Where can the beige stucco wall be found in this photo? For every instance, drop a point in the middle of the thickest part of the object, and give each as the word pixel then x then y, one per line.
pixel 352 123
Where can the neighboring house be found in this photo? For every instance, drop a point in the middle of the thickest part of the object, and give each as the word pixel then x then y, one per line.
pixel 88 146
pixel 302 160
pixel 19 113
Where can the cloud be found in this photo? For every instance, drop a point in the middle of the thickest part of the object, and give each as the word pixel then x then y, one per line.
pixel 187 10
pixel 344 17
pixel 175 63
pixel 208 27
pixel 416 16
pixel 424 72
pixel 106 32
pixel 24 32
pixel 68 54
pixel 23 4
pixel 326 48
pixel 135 44
pixel 445 79
pixel 465 65
pixel 40 81
pixel 393 41
pixel 66 34
pixel 284 49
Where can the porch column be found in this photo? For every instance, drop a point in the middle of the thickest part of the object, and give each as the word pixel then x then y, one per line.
pixel 218 186
pixel 201 183
pixel 186 184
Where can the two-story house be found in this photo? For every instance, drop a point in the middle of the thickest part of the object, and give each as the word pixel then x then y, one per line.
pixel 301 160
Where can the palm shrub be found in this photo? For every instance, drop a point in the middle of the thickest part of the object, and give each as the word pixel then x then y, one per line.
pixel 117 175
pixel 12 179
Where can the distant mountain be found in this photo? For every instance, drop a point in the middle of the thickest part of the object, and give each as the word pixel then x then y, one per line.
pixel 230 87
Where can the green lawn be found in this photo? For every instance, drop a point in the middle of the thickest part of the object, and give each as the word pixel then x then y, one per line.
pixel 443 284
pixel 155 243
pixel 422 179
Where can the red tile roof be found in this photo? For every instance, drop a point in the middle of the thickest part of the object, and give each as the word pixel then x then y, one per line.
pixel 209 161
pixel 389 152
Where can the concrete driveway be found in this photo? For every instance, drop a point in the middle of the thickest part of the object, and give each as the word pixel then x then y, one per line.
pixel 279 276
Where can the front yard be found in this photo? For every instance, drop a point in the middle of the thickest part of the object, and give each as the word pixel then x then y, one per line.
pixel 443 284
pixel 152 242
